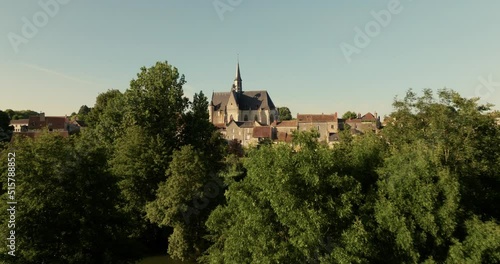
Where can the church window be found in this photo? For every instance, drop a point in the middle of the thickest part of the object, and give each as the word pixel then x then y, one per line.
pixel 246 118
pixel 256 118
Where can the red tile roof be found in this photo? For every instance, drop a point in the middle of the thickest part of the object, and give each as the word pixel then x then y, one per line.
pixel 51 122
pixel 288 123
pixel 368 117
pixel 316 118
pixel 262 132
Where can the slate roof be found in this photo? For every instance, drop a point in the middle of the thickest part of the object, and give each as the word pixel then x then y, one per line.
pixel 246 100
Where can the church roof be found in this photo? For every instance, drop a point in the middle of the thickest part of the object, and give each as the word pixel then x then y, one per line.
pixel 246 100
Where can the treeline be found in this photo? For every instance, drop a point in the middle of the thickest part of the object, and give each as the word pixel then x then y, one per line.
pixel 151 174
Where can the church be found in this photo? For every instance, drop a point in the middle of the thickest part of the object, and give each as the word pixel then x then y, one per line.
pixel 238 105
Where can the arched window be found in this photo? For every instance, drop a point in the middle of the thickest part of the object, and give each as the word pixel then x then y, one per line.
pixel 245 118
pixel 256 118
pixel 231 118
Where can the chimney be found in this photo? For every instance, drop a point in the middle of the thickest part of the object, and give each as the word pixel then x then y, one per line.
pixel 42 117
pixel 376 115
pixel 359 115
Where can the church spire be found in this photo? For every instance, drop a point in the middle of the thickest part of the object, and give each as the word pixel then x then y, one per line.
pixel 237 81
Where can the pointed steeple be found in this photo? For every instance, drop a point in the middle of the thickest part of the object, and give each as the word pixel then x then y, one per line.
pixel 238 87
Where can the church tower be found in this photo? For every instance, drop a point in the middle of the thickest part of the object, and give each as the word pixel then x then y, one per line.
pixel 237 86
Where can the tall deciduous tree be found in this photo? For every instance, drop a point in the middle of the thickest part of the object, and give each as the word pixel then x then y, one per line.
pixel 185 200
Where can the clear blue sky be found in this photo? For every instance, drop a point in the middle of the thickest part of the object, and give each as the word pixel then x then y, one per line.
pixel 289 48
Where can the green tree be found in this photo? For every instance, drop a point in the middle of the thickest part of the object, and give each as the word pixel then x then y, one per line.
pixel 466 139
pixel 20 114
pixel 158 120
pixel 66 204
pixel 155 101
pixel 284 113
pixel 105 119
pixel 5 129
pixel 185 200
pixel 442 172
pixel 83 112
pixel 481 245
pixel 421 232
pixel 349 115
pixel 285 209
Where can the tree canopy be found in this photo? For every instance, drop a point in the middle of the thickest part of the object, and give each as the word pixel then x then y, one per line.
pixel 284 113
pixel 349 115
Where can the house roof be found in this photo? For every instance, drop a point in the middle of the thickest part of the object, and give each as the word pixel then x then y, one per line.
pixel 307 118
pixel 368 117
pixel 288 123
pixel 262 132
pixel 53 122
pixel 19 121
pixel 246 100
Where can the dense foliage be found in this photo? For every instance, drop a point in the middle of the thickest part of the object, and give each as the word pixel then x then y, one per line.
pixel 20 114
pixel 284 113
pixel 151 174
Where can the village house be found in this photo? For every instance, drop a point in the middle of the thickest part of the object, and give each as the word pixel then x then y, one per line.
pixel 328 125
pixel 20 125
pixel 248 132
pixel 283 130
pixel 34 125
pixel 365 123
